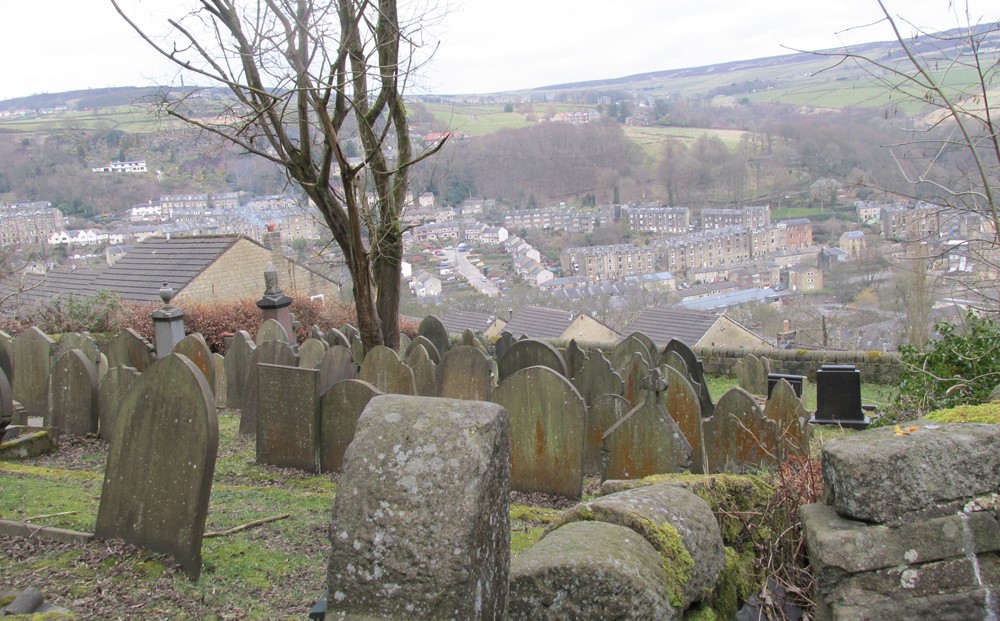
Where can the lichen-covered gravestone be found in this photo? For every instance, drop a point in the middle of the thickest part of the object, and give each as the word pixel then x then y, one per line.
pixel 601 416
pixel 531 353
pixel 575 359
pixel 288 417
pixel 220 389
pixel 422 341
pixel 311 353
pixel 269 352
pixel 786 410
pixel 738 436
pixel 340 409
pixel 696 373
pixel 425 372
pixel 621 354
pixel 384 370
pixel 194 348
pixel 645 442
pixel 337 365
pixel 597 378
pixel 465 373
pixel 682 405
pixel 73 394
pixel 111 392
pixel 161 460
pixel 433 330
pixel 32 363
pixel 238 353
pixel 420 527
pixel 271 330
pixel 129 349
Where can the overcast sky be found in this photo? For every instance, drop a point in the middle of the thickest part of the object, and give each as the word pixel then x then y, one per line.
pixel 484 46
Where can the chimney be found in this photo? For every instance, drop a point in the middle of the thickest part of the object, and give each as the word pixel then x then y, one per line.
pixel 272 241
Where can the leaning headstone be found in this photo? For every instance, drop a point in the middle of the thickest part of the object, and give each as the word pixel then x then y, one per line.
pixel 161 460
pixel 635 375
pixel 220 389
pixel 311 353
pixel 622 353
pixel 575 359
pixel 7 355
pixel 420 526
pixel 590 570
pixel 645 442
pixel 268 352
pixel 785 409
pixel 682 405
pixel 384 370
pixel 838 397
pixel 271 330
pixel 111 392
pixel 288 417
pixel 465 373
pixel 433 330
pixel 82 341
pixel 603 413
pixel 195 349
pixel 73 395
pixel 238 354
pixel 548 421
pixel 425 372
pixel 32 363
pixel 340 409
pixel 336 337
pixel 337 365
pixel 129 349
pixel 696 373
pixel 432 350
pixel 597 378
pixel 738 437
pixel 531 353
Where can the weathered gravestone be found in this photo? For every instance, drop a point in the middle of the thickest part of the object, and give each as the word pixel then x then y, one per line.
pixel 404 343
pixel 548 422
pixel 237 362
pixel 128 349
pixel 674 360
pixel 73 394
pixel 288 417
pixel 682 405
pixel 32 363
pixel 575 359
pixel 269 352
pixel 752 372
pixel 340 409
pixel 161 460
pixel 311 353
pixel 433 330
pixel 420 526
pixel 194 348
pixel 7 355
pixel 384 370
pixel 82 341
pixel 503 343
pixel 635 375
pixel 425 374
pixel 6 403
pixel 838 397
pixel 335 337
pixel 645 442
pixel 271 330
pixel 111 392
pixel 465 373
pixel 623 353
pixel 785 409
pixel 350 333
pixel 597 378
pixel 220 389
pixel 427 344
pixel 603 413
pixel 315 332
pixel 337 365
pixel 530 353
pixel 738 437
pixel 696 373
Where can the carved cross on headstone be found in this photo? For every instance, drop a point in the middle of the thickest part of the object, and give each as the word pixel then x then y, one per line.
pixel 654 383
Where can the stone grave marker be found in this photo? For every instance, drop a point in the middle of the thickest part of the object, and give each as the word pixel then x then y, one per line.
pixel 238 354
pixel 404 343
pixel 622 353
pixel 102 366
pixel 646 441
pixel 838 397
pixel 597 378
pixel 635 375
pixel 575 359
pixel 129 349
pixel 752 372
pixel 311 353
pixel 531 353
pixel 315 332
pixel 420 526
pixel 548 421
pixel 504 342
pixel 268 352
pixel 682 405
pixel 351 333
pixel 161 460
pixel 340 408
pixel 785 409
pixel 433 330
pixel 468 338
pixel 336 337
pixel 601 416
pixel 425 372
pixel 73 394
pixel 465 373
pixel 7 355
pixel 288 417
pixel 432 351
pixel 32 363
pixel 674 360
pixel 82 341
pixel 271 330
pixel 6 403
pixel 696 373
pixel 195 349
pixel 337 365
pixel 797 382
pixel 220 389
pixel 358 349
pixel 738 436
pixel 384 370
pixel 111 392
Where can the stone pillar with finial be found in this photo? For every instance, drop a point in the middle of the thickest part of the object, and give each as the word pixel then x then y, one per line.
pixel 274 304
pixel 168 323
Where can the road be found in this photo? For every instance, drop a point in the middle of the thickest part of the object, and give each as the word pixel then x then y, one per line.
pixel 471 273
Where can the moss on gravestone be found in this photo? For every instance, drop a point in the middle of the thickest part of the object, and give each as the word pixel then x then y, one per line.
pixel 737 583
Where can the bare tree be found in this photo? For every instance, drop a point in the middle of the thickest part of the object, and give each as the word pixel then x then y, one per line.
pixel 308 78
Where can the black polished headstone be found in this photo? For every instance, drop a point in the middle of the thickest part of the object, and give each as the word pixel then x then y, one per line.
pixel 838 397
pixel 796 381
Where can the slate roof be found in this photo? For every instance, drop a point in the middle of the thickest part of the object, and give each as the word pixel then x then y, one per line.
pixel 34 290
pixel 663 323
pixel 457 322
pixel 539 323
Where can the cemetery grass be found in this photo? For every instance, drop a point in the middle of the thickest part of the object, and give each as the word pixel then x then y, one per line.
pixel 875 394
pixel 273 571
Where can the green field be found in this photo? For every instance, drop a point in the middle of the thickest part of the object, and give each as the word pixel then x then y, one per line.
pixel 131 119
pixel 651 139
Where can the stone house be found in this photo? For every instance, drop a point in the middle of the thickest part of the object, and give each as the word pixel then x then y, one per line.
pixel 555 324
pixel 853 243
pixel 805 278
pixel 694 328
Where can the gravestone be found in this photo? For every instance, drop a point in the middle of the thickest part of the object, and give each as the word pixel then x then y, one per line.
pixel 420 526
pixel 738 437
pixel 425 374
pixel 548 423
pixel 384 370
pixel 315 332
pixel 785 409
pixel 404 343
pixel 6 403
pixel 351 333
pixel 530 353
pixel 575 358
pixel 682 405
pixel 752 372
pixel 82 341
pixel 646 441
pixel 336 337
pixel 195 349
pixel 161 460
pixel 102 366
pixel 268 352
pixel 795 381
pixel 220 389
pixel 288 417
pixel 340 409
pixel 433 330
pixel 238 354
pixel 32 363
pixel 597 378
pixel 337 365
pixel 111 392
pixel 603 413
pixel 503 343
pixel 73 395
pixel 129 349
pixel 622 353
pixel 838 397
pixel 468 338
pixel 432 351
pixel 271 330
pixel 674 360
pixel 311 353
pixel 465 373
pixel 696 373
pixel 7 355
pixel 635 375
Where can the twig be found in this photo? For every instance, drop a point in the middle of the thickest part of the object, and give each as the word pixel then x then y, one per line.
pixel 42 517
pixel 242 527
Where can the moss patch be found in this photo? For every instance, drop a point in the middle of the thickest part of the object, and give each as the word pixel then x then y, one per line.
pixel 982 413
pixel 700 613
pixel 532 515
pixel 736 584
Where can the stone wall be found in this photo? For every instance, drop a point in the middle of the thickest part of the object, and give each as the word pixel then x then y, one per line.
pixel 876 367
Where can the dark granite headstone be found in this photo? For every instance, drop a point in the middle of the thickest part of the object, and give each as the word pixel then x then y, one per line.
pixel 795 381
pixel 838 397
